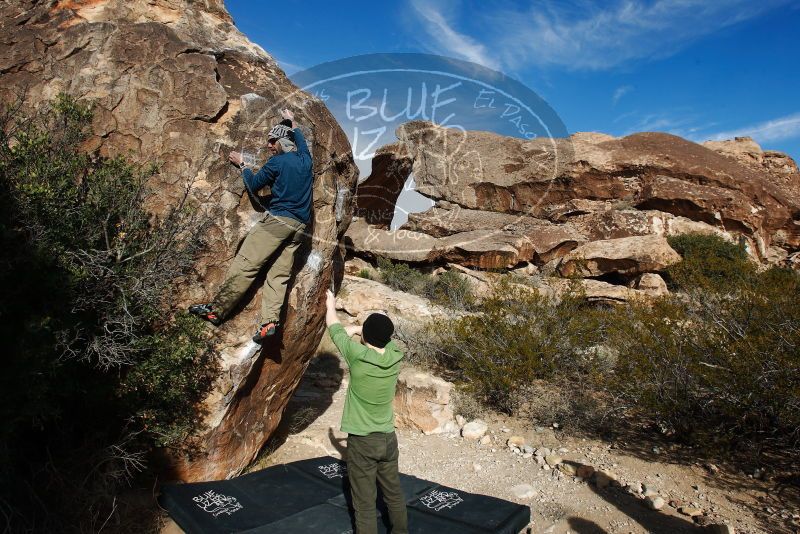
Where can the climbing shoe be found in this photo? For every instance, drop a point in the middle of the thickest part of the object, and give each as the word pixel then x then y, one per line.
pixel 205 311
pixel 265 330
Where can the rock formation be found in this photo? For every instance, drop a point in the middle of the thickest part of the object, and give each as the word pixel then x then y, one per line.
pixel 360 297
pixel 422 402
pixel 591 200
pixel 174 82
pixel 626 256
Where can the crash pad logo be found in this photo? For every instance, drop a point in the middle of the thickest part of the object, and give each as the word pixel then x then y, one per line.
pixel 334 470
pixel 440 500
pixel 217 504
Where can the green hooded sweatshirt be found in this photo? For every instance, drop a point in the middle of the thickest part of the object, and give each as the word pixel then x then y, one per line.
pixel 373 378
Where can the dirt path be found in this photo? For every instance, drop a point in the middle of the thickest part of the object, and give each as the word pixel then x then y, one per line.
pixel 559 503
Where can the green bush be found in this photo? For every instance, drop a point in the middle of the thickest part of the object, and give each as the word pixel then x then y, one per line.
pixel 710 263
pixel 161 390
pixel 97 368
pixel 365 273
pixel 401 277
pixel 517 336
pixel 716 367
pixel 450 289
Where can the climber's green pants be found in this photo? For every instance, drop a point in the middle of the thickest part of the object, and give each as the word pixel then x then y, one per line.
pixel 273 239
pixel 370 459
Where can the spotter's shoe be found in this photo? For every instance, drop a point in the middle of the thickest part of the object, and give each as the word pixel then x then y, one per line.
pixel 206 312
pixel 265 330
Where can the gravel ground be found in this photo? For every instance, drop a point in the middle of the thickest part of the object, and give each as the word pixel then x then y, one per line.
pixel 559 503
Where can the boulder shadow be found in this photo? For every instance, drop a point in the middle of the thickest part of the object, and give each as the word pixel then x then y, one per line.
pixel 312 397
pixel 652 521
pixel 584 526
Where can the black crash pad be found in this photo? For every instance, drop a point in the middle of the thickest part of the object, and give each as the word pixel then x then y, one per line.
pixel 313 496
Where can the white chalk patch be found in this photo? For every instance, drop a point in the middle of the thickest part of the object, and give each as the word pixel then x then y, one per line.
pixel 250 98
pixel 341 194
pixel 249 159
pixel 314 261
pixel 248 351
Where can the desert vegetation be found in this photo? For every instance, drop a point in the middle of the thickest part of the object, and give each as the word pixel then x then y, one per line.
pixel 448 289
pixel 100 370
pixel 715 364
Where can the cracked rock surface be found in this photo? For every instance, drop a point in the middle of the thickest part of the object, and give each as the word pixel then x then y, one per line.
pixel 175 83
pixel 502 201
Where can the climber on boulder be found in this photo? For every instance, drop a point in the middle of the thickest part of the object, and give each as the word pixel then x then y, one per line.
pixel 277 236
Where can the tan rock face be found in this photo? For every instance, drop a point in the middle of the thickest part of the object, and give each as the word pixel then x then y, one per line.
pixel 544 239
pixel 626 256
pixel 174 82
pixel 422 402
pixel 740 190
pixel 745 150
pixel 592 290
pixel 652 284
pixel 402 245
pixel 485 248
pixel 360 297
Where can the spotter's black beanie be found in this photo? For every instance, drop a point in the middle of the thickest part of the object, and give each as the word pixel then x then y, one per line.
pixel 377 330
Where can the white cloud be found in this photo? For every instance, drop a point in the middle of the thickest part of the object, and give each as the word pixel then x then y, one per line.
pixel 787 127
pixel 583 34
pixel 449 40
pixel 658 122
pixel 681 121
pixel 580 35
pixel 620 92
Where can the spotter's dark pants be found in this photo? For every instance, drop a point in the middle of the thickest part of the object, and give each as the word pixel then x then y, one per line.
pixel 370 459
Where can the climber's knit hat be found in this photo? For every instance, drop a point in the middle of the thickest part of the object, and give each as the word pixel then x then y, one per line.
pixel 377 330
pixel 282 130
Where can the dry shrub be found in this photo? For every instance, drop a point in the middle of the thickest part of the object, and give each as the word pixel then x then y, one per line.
pixel 517 336
pixel 717 368
pixel 716 363
pixel 466 405
pixel 449 289
pixel 571 404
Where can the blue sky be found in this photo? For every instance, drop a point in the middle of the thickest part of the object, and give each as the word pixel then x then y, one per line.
pixel 702 69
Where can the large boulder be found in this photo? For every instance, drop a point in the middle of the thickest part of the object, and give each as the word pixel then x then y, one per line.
pixel 485 248
pixel 592 290
pixel 745 150
pixel 612 222
pixel 649 171
pixel 401 245
pixel 174 82
pixel 626 256
pixel 543 239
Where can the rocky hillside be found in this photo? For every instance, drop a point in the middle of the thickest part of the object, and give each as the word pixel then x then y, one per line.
pixel 591 205
pixel 175 83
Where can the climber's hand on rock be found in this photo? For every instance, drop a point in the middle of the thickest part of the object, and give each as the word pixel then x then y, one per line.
pixel 330 313
pixel 235 158
pixel 287 114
